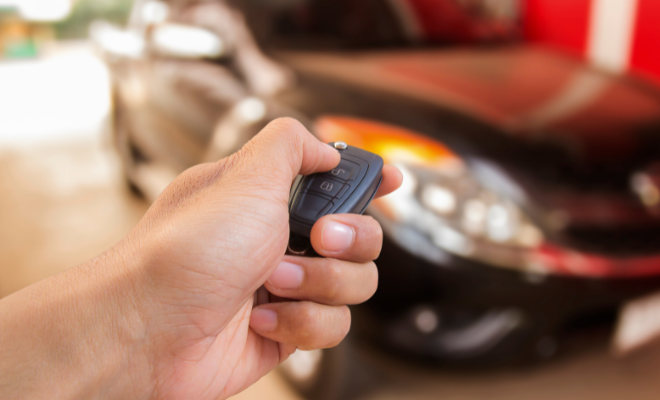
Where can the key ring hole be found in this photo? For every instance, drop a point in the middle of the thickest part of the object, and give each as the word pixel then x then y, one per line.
pixel 298 245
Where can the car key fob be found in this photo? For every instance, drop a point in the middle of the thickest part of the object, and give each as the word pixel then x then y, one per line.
pixel 348 188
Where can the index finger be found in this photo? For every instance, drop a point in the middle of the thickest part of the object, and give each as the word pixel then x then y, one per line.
pixel 392 179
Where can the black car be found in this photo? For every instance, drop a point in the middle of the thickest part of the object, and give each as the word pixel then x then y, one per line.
pixel 530 210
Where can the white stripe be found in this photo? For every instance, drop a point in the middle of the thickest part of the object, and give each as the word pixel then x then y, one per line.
pixel 611 33
pixel 408 19
pixel 578 93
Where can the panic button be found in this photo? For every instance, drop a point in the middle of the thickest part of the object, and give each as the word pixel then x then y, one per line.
pixel 322 184
pixel 311 207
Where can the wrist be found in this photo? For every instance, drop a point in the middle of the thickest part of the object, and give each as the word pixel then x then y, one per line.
pixel 116 304
pixel 77 335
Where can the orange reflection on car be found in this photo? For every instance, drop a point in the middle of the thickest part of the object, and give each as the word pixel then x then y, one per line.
pixel 393 143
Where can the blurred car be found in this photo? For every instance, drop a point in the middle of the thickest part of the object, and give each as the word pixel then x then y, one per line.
pixel 530 209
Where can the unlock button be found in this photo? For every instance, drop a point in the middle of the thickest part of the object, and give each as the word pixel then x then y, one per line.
pixel 346 171
pixel 324 185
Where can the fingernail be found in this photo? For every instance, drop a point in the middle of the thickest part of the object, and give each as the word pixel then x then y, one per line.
pixel 287 276
pixel 336 236
pixel 263 319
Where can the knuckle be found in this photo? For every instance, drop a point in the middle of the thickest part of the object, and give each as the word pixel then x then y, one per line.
pixel 307 331
pixel 285 124
pixel 373 279
pixel 379 229
pixel 290 135
pixel 347 320
pixel 185 186
pixel 343 326
pixel 332 279
pixel 289 129
pixel 377 239
pixel 231 162
pixel 237 162
pixel 371 237
pixel 251 160
pixel 307 314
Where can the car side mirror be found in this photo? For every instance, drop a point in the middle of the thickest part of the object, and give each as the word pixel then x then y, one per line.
pixel 185 41
pixel 115 42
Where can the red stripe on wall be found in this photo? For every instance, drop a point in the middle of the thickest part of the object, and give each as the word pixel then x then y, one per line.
pixel 562 24
pixel 645 55
pixel 442 20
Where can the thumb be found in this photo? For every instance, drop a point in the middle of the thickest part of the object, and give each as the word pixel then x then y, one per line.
pixel 287 147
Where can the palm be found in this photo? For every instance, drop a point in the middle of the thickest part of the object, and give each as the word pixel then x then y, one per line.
pixel 211 351
pixel 214 237
pixel 229 363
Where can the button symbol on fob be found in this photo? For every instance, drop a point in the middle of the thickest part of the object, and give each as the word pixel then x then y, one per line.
pixel 327 186
pixel 346 170
pixel 348 188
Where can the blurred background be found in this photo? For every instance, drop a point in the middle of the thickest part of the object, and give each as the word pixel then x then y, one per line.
pixel 521 255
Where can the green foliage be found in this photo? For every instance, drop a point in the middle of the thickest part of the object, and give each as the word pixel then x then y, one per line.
pixel 86 11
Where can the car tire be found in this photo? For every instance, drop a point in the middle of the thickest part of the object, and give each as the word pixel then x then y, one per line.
pixel 338 373
pixel 121 138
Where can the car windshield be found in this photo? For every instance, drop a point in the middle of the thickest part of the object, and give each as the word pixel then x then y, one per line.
pixel 352 24
pixel 323 24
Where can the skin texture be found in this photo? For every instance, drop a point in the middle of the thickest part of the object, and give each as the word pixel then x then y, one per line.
pixel 170 313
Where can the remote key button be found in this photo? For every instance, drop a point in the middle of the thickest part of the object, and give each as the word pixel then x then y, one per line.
pixel 342 192
pixel 346 171
pixel 311 206
pixel 321 184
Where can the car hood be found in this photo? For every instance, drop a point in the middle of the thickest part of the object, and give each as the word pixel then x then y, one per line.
pixel 569 136
pixel 532 94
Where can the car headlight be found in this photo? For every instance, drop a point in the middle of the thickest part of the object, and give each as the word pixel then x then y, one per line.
pixel 440 206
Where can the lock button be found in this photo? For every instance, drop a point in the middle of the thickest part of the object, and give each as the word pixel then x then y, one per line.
pixel 347 188
pixel 324 185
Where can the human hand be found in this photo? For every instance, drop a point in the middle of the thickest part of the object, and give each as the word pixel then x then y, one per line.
pixel 168 312
pixel 217 234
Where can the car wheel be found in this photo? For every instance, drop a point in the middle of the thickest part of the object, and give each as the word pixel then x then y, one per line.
pixel 328 374
pixel 122 141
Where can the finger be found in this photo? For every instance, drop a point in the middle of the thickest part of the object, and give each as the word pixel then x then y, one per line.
pixel 304 324
pixel 323 280
pixel 286 142
pixel 285 351
pixel 392 179
pixel 350 237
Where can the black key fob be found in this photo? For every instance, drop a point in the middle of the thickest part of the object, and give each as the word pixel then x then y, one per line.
pixel 348 188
